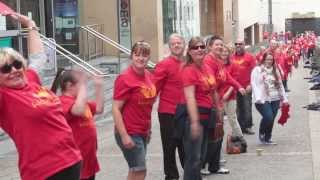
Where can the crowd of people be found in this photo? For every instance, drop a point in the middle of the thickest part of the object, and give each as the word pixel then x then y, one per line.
pixel 199 85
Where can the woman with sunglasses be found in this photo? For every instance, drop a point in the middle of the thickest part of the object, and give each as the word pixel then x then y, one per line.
pixel 199 86
pixel 133 98
pixel 43 138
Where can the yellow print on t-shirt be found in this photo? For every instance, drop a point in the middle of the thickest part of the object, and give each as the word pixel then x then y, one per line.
pixel 43 98
pixel 87 117
pixel 239 61
pixel 147 94
pixel 209 81
pixel 222 75
pixel 148 91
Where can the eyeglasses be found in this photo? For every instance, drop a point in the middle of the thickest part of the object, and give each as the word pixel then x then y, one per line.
pixel 197 47
pixel 238 44
pixel 5 69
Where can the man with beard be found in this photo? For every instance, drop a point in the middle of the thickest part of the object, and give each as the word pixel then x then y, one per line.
pixel 169 86
pixel 243 63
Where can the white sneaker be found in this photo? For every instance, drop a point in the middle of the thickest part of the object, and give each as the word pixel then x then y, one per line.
pixel 205 170
pixel 223 171
pixel 270 142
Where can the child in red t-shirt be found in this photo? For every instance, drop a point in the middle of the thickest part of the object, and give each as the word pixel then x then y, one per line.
pixel 79 113
pixel 133 98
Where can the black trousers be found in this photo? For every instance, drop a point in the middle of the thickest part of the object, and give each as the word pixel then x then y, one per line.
pixel 213 155
pixel 90 178
pixel 70 173
pixel 244 110
pixel 169 146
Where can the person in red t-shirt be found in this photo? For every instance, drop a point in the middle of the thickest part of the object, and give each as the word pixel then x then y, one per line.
pixel 259 55
pixel 214 61
pixel 243 63
pixel 43 138
pixel 167 78
pixel 228 95
pixel 133 98
pixel 79 113
pixel 199 85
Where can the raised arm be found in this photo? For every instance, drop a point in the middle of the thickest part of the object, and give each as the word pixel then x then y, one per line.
pixel 79 106
pixel 37 57
pixel 34 42
pixel 98 82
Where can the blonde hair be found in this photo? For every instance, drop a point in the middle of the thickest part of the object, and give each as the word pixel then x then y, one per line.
pixel 7 54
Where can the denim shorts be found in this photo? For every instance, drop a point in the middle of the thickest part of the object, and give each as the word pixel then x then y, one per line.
pixel 136 156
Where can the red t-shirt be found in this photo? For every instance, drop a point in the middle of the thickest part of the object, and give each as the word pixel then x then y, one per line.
pixel 85 135
pixel 243 65
pixel 203 80
pixel 225 87
pixel 259 57
pixel 32 76
pixel 139 94
pixel 32 116
pixel 222 74
pixel 167 78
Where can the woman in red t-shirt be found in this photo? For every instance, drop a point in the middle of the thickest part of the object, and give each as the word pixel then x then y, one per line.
pixel 133 97
pixel 79 113
pixel 228 95
pixel 32 115
pixel 199 85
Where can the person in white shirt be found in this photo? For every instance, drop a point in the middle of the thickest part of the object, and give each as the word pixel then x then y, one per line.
pixel 268 94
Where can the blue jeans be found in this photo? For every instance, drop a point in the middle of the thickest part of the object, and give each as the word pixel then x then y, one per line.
pixel 268 111
pixel 195 151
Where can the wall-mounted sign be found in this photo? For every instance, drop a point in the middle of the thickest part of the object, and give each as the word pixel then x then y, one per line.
pixel 124 23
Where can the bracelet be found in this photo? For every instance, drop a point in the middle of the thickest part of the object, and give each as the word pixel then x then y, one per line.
pixel 33 28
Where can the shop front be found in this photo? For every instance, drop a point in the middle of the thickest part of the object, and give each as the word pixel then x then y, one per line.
pixel 57 19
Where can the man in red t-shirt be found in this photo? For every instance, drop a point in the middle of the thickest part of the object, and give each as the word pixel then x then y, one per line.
pixel 167 79
pixel 243 63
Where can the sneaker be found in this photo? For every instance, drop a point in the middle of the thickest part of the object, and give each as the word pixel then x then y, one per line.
pixel 223 161
pixel 248 131
pixel 261 138
pixel 205 172
pixel 223 171
pixel 269 142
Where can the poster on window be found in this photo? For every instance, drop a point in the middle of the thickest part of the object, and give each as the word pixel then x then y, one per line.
pixel 124 23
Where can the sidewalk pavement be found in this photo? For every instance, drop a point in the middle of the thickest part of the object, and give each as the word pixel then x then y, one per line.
pixel 295 157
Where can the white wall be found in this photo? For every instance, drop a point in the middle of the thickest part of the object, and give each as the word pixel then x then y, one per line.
pixel 283 9
pixel 249 14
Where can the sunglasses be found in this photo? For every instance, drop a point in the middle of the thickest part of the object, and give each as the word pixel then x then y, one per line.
pixel 238 44
pixel 5 69
pixel 197 47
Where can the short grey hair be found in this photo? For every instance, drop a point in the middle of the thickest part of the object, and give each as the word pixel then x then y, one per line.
pixel 176 35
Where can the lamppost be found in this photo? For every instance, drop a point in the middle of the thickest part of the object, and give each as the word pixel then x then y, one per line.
pixel 270 16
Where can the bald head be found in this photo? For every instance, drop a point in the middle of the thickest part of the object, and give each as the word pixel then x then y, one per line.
pixel 239 47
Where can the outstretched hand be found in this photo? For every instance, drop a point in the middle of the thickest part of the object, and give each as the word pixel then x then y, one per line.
pixel 24 20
